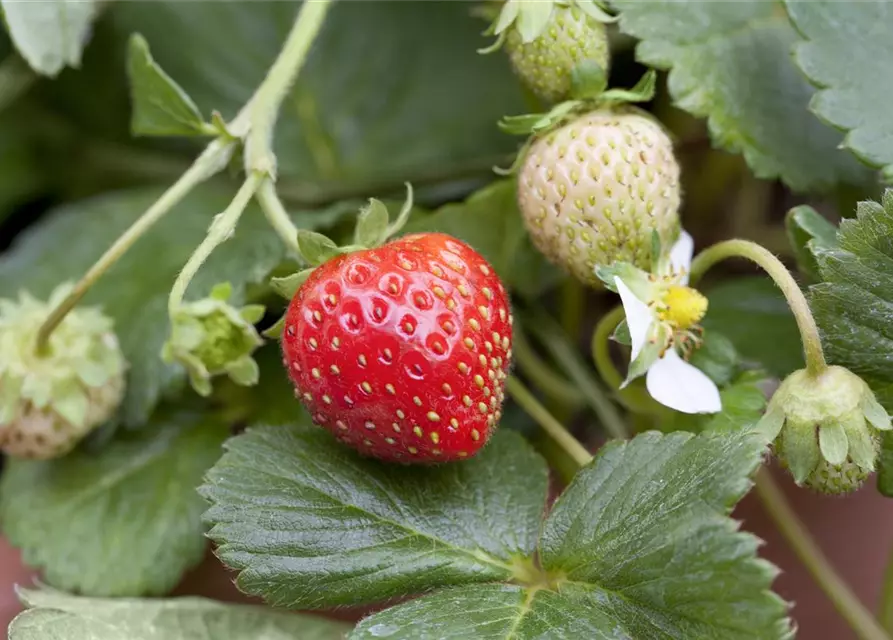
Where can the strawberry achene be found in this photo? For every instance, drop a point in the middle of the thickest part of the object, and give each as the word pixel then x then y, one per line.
pixel 402 351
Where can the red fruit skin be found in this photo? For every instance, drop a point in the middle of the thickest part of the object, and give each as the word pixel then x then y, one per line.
pixel 402 351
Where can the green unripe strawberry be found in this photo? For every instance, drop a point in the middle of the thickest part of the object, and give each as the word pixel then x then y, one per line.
pixel 50 400
pixel 570 38
pixel 593 191
pixel 826 427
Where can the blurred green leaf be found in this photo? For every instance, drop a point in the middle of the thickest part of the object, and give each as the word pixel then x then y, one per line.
pixel 53 615
pixel 730 62
pixel 490 222
pixel 405 97
pixel 717 357
pixel 50 34
pixel 134 292
pixel 847 55
pixel 121 522
pixel 753 314
pixel 307 522
pixel 160 106
pixel 807 229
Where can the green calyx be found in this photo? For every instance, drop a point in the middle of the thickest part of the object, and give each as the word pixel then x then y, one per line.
pixel 373 229
pixel 826 428
pixel 211 337
pixel 531 19
pixel 79 377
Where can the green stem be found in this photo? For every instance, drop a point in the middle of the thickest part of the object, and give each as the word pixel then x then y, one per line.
pixel 277 215
pixel 802 543
pixel 210 162
pixel 633 398
pixel 264 106
pixel 601 341
pixel 573 300
pixel 221 230
pixel 549 424
pixel 538 371
pixel 809 332
pixel 568 359
pixel 886 606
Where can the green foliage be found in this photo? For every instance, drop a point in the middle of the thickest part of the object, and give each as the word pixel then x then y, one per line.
pixel 852 305
pixel 160 106
pixel 489 221
pixel 638 543
pixel 135 290
pixel 309 523
pixel 807 229
pixel 392 102
pixel 730 63
pixel 769 335
pixel 50 35
pixel 123 521
pixel 53 615
pixel 851 66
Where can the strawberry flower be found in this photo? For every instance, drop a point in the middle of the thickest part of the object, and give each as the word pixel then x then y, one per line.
pixel 662 315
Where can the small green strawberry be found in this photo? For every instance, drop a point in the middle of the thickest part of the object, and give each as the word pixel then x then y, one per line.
pixel 594 190
pixel 546 64
pixel 550 41
pixel 49 401
pixel 826 428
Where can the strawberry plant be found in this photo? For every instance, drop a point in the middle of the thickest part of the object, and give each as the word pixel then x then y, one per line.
pixel 418 319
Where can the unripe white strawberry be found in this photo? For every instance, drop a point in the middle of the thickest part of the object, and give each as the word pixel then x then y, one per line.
pixel 593 191
pixel 570 37
pixel 50 400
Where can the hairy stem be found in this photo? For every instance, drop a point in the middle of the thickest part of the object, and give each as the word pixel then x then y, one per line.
pixel 809 332
pixel 264 106
pixel 806 548
pixel 547 421
pixel 221 230
pixel 211 161
pixel 276 214
pixel 255 122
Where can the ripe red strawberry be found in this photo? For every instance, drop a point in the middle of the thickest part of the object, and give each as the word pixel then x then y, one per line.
pixel 402 351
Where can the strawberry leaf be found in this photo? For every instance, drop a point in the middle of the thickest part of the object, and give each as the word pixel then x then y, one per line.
pixel 160 106
pixel 807 229
pixel 123 521
pixel 642 536
pixel 851 68
pixel 730 63
pixel 852 305
pixel 490 222
pixel 438 98
pixel 639 546
pixel 53 614
pixel 309 523
pixel 50 35
pixel 134 292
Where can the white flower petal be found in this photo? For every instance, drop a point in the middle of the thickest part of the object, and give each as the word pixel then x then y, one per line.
pixel 681 254
pixel 638 317
pixel 676 384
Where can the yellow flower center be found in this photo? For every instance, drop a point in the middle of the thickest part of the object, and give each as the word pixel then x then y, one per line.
pixel 683 307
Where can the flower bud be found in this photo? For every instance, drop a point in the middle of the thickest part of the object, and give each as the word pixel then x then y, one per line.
pixel 826 428
pixel 50 400
pixel 211 337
